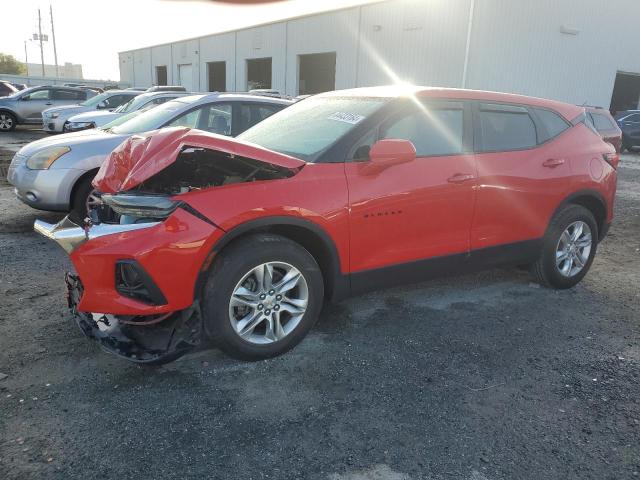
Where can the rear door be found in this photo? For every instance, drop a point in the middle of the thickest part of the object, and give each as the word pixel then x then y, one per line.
pixel 420 209
pixel 522 172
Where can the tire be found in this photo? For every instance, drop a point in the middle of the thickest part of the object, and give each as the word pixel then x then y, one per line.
pixel 235 270
pixel 79 199
pixel 550 269
pixel 8 122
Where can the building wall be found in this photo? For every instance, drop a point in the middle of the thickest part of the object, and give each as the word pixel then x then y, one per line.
pixel 66 70
pixel 568 50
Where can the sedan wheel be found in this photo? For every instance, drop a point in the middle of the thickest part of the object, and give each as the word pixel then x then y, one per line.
pixel 574 248
pixel 268 302
pixel 7 122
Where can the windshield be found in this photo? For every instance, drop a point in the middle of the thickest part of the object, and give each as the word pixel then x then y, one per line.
pixel 93 101
pixel 308 128
pixel 125 107
pixel 148 120
pixel 120 120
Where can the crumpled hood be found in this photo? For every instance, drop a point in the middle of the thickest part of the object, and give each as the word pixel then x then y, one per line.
pixel 142 156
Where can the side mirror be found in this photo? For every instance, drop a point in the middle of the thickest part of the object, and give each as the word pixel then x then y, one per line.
pixel 389 152
pixel 24 98
pixel 102 105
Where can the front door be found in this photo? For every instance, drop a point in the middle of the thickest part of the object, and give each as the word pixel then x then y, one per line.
pixel 417 210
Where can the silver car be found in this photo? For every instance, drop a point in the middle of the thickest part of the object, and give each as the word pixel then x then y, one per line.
pixel 26 106
pixel 53 119
pixel 143 102
pixel 55 173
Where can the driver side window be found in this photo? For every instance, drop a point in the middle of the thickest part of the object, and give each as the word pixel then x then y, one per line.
pixel 189 119
pixel 37 95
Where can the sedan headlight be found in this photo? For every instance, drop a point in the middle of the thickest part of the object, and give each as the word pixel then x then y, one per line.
pixel 79 125
pixel 44 158
pixel 54 115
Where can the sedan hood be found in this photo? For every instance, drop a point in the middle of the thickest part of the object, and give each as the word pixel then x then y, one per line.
pixel 142 156
pixel 103 115
pixel 68 140
pixel 66 109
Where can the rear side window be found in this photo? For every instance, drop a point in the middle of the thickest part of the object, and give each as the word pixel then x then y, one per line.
pixel 69 95
pixel 601 122
pixel 631 118
pixel 433 131
pixel 553 124
pixel 505 127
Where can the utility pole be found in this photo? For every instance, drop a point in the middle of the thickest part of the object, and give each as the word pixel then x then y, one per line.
pixel 40 39
pixel 53 35
pixel 26 57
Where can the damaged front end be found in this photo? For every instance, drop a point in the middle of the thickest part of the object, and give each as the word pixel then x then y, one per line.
pixel 141 249
pixel 151 340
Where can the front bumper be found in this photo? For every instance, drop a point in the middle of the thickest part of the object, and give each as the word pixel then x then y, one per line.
pixel 48 189
pixel 151 340
pixel 53 125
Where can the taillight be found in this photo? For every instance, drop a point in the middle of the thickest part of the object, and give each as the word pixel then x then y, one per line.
pixel 612 159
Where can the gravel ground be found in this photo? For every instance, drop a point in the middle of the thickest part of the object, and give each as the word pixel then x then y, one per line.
pixel 480 377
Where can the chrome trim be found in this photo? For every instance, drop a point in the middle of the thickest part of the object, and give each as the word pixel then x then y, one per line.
pixel 69 235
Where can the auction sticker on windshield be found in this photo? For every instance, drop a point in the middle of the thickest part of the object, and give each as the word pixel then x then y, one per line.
pixel 351 118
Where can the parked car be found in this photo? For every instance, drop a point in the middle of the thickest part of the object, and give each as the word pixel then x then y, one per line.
pixel 26 106
pixel 204 238
pixel 629 123
pixel 7 88
pixel 143 101
pixel 54 119
pixel 605 125
pixel 166 88
pixel 56 173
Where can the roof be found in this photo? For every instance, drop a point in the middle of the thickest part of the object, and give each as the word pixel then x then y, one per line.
pixel 567 110
pixel 230 96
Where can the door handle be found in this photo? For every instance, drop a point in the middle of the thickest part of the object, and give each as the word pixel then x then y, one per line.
pixel 460 178
pixel 48 103
pixel 553 162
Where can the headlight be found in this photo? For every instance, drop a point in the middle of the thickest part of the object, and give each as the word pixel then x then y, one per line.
pixel 80 125
pixel 44 158
pixel 54 115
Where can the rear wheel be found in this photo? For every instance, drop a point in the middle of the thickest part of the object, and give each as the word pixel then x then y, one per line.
pixel 263 295
pixel 8 122
pixel 569 247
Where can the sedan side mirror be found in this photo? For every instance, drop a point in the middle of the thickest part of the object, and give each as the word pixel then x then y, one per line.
pixel 102 105
pixel 389 152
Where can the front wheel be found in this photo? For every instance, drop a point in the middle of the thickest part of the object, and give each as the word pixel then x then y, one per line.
pixel 263 295
pixel 8 122
pixel 568 249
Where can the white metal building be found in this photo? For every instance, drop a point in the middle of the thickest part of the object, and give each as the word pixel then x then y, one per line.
pixel 578 51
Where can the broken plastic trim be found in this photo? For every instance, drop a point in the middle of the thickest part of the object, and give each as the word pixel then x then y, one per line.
pixel 160 340
pixel 70 235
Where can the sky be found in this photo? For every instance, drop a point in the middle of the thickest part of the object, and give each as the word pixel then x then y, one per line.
pixel 92 32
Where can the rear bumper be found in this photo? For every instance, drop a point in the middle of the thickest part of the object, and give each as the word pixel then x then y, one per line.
pixel 152 340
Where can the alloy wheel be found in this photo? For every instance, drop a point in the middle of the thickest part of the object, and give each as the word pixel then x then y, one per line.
pixel 6 122
pixel 573 249
pixel 268 302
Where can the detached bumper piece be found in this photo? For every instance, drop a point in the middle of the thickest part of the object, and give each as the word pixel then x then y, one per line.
pixel 151 340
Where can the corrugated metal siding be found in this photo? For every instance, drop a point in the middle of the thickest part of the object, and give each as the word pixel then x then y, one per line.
pixel 419 42
pixel 262 42
pixel 330 32
pixel 218 48
pixel 516 46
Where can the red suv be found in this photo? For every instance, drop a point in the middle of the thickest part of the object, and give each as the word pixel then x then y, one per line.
pixel 238 242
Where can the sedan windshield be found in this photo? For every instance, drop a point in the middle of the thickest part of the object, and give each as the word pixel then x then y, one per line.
pixel 93 101
pixel 150 119
pixel 308 128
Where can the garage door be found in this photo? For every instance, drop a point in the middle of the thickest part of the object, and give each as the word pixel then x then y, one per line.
pixel 185 74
